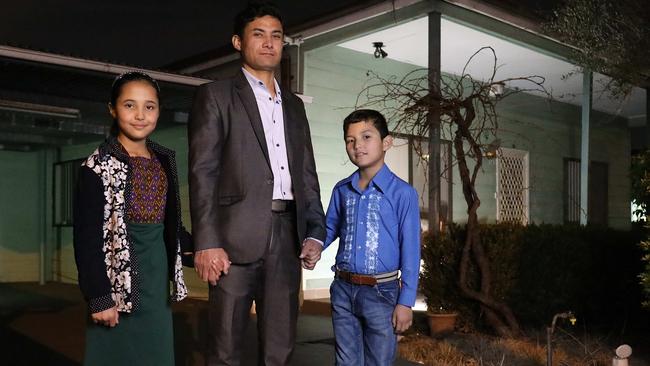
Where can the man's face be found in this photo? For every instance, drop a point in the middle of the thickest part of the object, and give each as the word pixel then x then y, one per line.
pixel 261 43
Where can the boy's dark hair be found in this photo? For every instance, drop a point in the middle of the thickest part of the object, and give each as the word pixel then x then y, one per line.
pixel 367 115
pixel 118 85
pixel 254 10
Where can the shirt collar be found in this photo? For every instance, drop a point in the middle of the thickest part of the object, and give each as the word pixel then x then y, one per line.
pixel 381 180
pixel 257 85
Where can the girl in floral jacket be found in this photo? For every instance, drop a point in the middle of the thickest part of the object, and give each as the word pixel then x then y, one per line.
pixel 128 234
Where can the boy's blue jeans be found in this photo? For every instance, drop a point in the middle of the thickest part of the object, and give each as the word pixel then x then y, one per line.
pixel 362 318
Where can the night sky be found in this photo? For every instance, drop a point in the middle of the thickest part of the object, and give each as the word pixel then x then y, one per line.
pixel 144 33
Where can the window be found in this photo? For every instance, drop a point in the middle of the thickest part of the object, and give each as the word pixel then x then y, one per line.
pixel 65 182
pixel 598 192
pixel 405 162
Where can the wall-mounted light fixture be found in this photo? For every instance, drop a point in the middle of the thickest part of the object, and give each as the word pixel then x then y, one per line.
pixel 497 90
pixel 491 150
pixel 379 52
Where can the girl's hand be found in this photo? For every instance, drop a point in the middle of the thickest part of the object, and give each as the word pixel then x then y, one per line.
pixel 109 317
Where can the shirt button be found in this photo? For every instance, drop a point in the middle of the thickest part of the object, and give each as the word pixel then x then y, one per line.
pixel 273 121
pixel 270 98
pixel 278 145
pixel 363 197
pixel 282 167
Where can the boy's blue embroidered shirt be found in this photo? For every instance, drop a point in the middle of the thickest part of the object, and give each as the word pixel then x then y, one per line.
pixel 378 228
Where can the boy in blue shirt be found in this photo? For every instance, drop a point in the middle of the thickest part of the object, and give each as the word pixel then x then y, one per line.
pixel 376 216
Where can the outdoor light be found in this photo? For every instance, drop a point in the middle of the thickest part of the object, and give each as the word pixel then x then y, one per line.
pixel 379 52
pixel 549 333
pixel 623 352
pixel 497 89
pixel 492 149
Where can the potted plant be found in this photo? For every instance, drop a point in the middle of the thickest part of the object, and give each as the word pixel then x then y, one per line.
pixel 438 281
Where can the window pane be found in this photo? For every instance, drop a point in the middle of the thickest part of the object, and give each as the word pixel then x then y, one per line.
pixel 397 158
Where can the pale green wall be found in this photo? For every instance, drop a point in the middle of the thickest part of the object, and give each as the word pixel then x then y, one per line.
pixel 24 193
pixel 550 132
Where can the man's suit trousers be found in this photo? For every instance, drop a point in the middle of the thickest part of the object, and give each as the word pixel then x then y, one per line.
pixel 273 282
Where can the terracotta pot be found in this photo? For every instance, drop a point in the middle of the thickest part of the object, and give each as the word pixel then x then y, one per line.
pixel 441 325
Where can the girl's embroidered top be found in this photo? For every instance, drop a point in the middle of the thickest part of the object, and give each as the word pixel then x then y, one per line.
pixel 149 191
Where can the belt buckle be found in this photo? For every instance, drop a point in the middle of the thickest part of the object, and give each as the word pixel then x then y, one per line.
pixel 278 206
pixel 358 279
pixel 366 280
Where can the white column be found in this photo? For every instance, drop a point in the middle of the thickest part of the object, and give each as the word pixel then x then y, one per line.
pixel 587 78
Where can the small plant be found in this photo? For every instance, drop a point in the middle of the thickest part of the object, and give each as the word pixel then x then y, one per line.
pixel 645 275
pixel 439 276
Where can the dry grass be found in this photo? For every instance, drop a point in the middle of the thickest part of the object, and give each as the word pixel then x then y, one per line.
pixel 482 350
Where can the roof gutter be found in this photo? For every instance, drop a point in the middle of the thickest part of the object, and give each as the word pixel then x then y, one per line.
pixel 353 18
pixel 297 37
pixel 506 17
pixel 83 64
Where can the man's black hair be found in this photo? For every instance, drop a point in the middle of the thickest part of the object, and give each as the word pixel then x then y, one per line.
pixel 254 10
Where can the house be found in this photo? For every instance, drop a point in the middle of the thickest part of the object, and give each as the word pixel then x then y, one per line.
pixel 54 114
pixel 535 175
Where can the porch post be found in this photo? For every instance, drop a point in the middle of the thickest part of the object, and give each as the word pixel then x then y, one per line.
pixel 646 141
pixel 433 118
pixel 587 80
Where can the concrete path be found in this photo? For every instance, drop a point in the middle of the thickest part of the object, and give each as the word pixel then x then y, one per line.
pixel 44 325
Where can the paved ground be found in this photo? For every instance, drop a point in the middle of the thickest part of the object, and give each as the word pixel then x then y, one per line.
pixel 44 325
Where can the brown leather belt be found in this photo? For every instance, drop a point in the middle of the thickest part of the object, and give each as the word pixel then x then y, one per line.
pixel 364 279
pixel 282 205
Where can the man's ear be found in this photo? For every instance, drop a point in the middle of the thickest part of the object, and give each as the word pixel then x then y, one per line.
pixel 236 42
pixel 387 142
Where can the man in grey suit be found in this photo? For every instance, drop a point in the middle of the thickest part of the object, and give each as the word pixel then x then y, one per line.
pixel 254 196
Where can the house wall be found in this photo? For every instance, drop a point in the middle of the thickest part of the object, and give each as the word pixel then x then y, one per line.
pixel 549 131
pixel 24 193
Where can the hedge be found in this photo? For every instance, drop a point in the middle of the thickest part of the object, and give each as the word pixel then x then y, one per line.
pixel 540 270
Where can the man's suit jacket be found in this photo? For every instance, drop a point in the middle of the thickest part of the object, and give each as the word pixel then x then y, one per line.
pixel 230 177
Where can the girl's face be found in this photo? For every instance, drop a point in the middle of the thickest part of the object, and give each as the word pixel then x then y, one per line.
pixel 136 110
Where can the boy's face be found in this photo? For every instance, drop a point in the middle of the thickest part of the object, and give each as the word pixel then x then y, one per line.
pixel 364 145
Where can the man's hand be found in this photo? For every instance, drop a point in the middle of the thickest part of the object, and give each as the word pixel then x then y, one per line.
pixel 402 318
pixel 310 253
pixel 109 317
pixel 209 263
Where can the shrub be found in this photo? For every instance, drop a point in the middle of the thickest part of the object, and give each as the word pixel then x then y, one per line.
pixel 540 270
